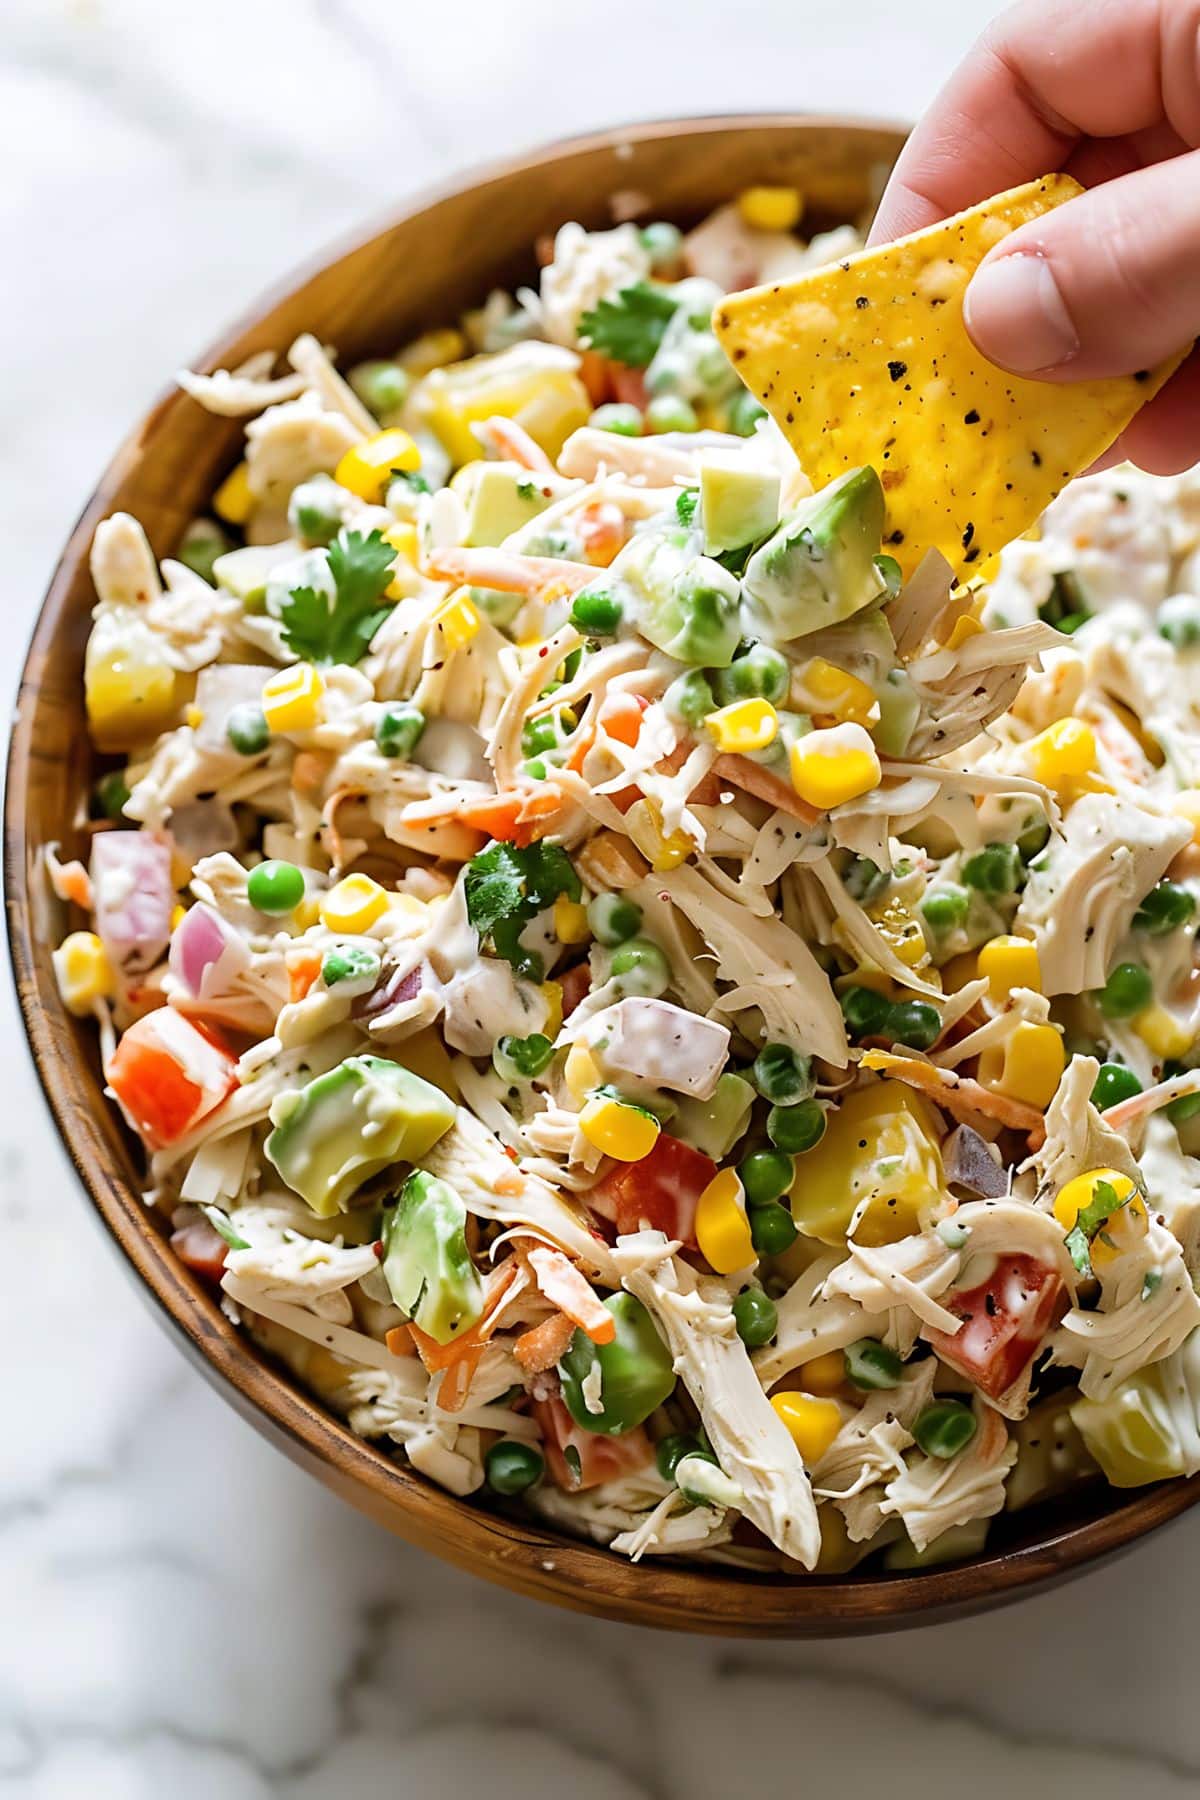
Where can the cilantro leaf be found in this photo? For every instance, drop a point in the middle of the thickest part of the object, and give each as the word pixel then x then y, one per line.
pixel 223 1226
pixel 340 630
pixel 630 328
pixel 686 502
pixel 507 886
pixel 1151 1282
pixel 1090 1223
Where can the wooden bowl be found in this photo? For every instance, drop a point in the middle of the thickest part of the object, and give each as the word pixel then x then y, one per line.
pixel 445 252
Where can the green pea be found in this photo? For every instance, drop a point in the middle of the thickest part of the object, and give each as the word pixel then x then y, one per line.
pixel 398 730
pixel 670 1451
pixel 766 1175
pixel 864 880
pixel 944 909
pixel 500 608
pixel 865 1011
pixel 617 417
pixel 663 244
pixel 671 412
pixel 522 1058
pixel 112 791
pixel 1187 1105
pixel 872 1365
pixel 247 729
pixel 756 1317
pixel 315 510
pixel 762 674
pixel 350 962
pixel 744 413
pixel 1114 1082
pixel 781 1075
pixel 512 1467
pixel 614 919
pixel 597 611
pixel 641 969
pixel 539 734
pixel 1179 621
pixel 994 870
pixel 890 573
pixel 1165 908
pixel 914 1023
pixel 381 386
pixel 275 888
pixel 1033 839
pixel 772 1229
pixel 1127 991
pixel 637 1371
pixel 200 546
pixel 944 1428
pixel 690 697
pixel 795 1129
pixel 537 769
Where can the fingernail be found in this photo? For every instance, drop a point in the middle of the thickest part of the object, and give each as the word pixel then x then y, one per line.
pixel 1017 316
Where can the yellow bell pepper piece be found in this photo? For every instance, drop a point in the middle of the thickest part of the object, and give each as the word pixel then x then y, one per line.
pixel 813 1423
pixel 354 904
pixel 966 627
pixel 571 921
pixel 880 1147
pixel 1006 963
pixel 233 500
pixel 457 620
pixel 833 766
pixel 1122 1229
pixel 771 208
pixel 1027 1066
pixel 432 350
pixel 534 384
pixel 821 687
pixel 625 1133
pixel 128 696
pixel 367 468
pixel 552 994
pixel 291 700
pixel 743 726
pixel 84 972
pixel 722 1228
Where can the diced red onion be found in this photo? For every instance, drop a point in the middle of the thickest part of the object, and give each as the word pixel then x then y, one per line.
pixel 206 952
pixel 393 987
pixel 132 895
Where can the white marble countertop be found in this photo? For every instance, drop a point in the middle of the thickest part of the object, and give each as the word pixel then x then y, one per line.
pixel 182 1612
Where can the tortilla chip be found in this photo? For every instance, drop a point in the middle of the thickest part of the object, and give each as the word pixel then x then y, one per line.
pixel 868 361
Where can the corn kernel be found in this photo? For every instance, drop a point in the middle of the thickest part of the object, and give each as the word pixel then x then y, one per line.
pixel 898 927
pixel 1007 963
pixel 581 1071
pixel 1027 1066
pixel 812 1423
pixel 179 912
pixel 722 1229
pixel 832 767
pixel 745 725
pixel 367 468
pixel 625 1133
pixel 233 500
pixel 552 994
pixel 84 972
pixel 1162 1033
pixel 1187 805
pixel 307 913
pixel 571 921
pixel 354 904
pixel 771 208
pixel 193 716
pixel 291 700
pixel 457 620
pixel 823 1374
pixel 966 627
pixel 821 687
pixel 403 539
pixel 432 350
pixel 645 828
pixel 1122 1229
pixel 1064 754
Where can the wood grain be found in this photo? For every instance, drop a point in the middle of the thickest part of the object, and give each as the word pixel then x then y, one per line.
pixel 419 269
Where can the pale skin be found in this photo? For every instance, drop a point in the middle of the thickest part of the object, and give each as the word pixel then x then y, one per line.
pixel 1108 90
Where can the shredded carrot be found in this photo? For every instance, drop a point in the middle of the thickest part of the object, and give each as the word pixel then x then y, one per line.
pixel 399 1341
pixel 1161 1094
pixel 514 443
pixel 742 773
pixel 508 572
pixel 543 1345
pixel 562 1284
pixel 456 1382
pixel 595 372
pixel 71 881
pixel 309 769
pixel 602 531
pixel 957 1093
pixel 303 967
pixel 496 1288
pixel 509 1185
pixel 511 817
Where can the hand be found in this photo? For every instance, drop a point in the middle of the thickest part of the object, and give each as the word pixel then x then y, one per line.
pixel 1108 90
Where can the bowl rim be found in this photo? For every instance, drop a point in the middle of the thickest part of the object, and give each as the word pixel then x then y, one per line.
pixel 527 1556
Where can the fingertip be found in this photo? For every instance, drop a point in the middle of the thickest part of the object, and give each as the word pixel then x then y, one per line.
pixel 1164 438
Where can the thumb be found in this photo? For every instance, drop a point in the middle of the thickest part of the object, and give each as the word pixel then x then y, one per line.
pixel 1107 284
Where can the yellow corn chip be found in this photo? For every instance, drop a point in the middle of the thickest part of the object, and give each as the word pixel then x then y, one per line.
pixel 868 361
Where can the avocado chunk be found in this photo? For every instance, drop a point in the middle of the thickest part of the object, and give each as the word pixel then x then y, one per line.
pixel 738 503
pixel 637 1371
pixel 500 498
pixel 714 1126
pixel 819 567
pixel 246 572
pixel 426 1262
pixel 685 604
pixel 899 710
pixel 350 1123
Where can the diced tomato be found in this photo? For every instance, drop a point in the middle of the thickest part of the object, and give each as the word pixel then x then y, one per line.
pixel 660 1192
pixel 168 1074
pixel 600 1458
pixel 201 1248
pixel 629 385
pixel 575 983
pixel 1004 1320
